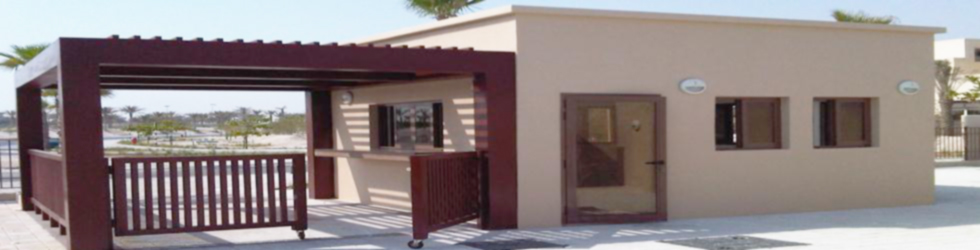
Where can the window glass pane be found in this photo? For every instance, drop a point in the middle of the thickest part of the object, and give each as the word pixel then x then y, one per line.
pixel 403 126
pixel 760 122
pixel 851 115
pixel 600 127
pixel 410 126
pixel 423 124
pixel 725 124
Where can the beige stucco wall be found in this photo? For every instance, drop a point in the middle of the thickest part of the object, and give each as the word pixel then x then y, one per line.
pixel 561 51
pixel 383 182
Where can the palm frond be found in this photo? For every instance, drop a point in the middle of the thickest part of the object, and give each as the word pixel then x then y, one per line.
pixel 21 55
pixel 861 17
pixel 440 9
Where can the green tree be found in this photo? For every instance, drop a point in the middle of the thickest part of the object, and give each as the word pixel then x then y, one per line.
pixel 861 17
pixel 440 9
pixel 170 127
pixel 250 125
pixel 143 130
pixel 289 124
pixel 947 83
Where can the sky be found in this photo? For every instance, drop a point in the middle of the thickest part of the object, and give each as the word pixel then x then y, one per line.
pixel 25 22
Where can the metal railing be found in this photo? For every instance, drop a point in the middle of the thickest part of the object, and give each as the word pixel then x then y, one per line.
pixel 957 144
pixel 9 164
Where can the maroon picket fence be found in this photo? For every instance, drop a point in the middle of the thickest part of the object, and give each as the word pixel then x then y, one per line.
pixel 159 195
pixel 48 187
pixel 446 190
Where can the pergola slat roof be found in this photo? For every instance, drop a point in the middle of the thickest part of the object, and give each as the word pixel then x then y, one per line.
pixel 195 75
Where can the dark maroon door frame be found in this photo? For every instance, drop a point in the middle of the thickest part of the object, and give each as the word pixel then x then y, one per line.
pixel 81 67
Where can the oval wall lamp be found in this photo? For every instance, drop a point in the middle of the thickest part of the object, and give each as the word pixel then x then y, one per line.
pixel 347 98
pixel 693 86
pixel 909 87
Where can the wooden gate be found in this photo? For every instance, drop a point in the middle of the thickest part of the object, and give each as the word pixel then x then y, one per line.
pixel 447 190
pixel 159 195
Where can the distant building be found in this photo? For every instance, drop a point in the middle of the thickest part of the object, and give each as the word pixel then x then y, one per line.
pixel 963 53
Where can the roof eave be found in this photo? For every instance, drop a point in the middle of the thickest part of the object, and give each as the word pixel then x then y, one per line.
pixel 512 10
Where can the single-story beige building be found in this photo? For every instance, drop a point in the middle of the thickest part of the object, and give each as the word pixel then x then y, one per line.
pixel 634 116
pixel 556 117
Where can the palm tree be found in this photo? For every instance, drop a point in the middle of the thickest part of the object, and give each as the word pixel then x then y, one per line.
pixel 440 9
pixel 130 110
pixel 272 113
pixel 21 55
pixel 243 111
pixel 947 82
pixel 107 113
pixel 861 17
pixel 971 96
pixel 282 111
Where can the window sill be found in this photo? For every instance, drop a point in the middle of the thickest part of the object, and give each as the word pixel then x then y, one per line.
pixel 384 155
pixel 842 147
pixel 744 149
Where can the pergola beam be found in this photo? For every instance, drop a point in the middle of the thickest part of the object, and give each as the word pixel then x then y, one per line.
pixel 107 81
pixel 272 74
pixel 205 87
pixel 42 69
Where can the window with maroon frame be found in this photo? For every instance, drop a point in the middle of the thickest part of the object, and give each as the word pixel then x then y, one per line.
pixel 413 126
pixel 842 122
pixel 748 123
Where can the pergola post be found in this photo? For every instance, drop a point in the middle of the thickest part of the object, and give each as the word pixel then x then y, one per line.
pixel 495 104
pixel 86 174
pixel 30 134
pixel 319 135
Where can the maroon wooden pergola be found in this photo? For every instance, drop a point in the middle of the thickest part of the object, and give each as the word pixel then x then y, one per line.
pixel 79 68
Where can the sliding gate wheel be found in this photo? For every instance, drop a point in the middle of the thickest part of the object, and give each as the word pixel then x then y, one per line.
pixel 415 244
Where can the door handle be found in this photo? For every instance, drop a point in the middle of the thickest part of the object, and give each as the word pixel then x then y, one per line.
pixel 656 163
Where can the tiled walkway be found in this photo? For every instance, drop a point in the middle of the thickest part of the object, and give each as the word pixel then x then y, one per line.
pixel 952 223
pixel 20 230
